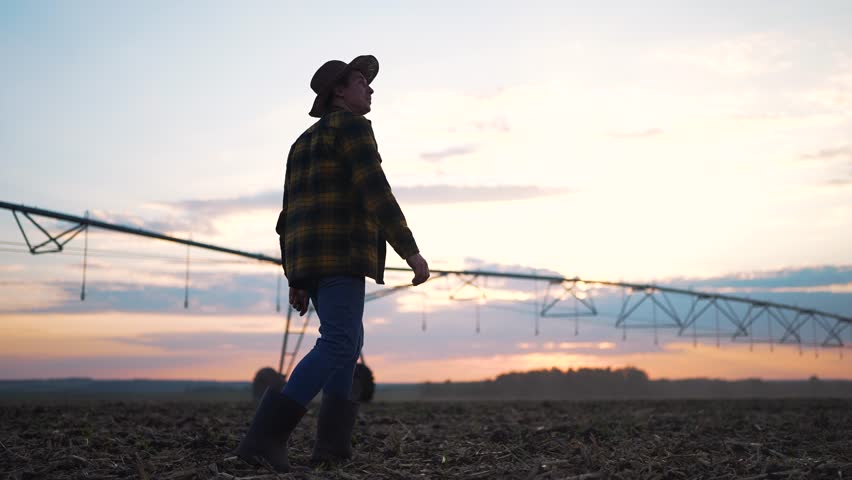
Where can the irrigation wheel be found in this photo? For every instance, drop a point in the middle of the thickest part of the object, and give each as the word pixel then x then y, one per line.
pixel 363 384
pixel 266 377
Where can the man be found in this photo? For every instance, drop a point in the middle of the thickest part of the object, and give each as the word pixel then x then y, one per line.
pixel 337 214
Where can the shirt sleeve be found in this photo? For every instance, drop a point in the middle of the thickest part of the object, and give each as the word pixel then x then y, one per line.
pixel 359 146
pixel 282 217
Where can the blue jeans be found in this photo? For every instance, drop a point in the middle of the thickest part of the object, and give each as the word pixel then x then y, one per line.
pixel 329 366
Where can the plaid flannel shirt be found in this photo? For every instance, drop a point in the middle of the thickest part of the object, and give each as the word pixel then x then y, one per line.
pixel 338 209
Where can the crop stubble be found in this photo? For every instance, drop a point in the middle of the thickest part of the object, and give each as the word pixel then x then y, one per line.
pixel 666 439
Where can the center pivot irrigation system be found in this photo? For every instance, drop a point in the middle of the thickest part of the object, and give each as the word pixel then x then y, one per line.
pixel 650 306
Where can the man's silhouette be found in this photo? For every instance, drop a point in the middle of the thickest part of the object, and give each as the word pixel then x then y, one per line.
pixel 337 214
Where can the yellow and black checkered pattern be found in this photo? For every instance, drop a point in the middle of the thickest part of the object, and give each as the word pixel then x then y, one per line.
pixel 338 207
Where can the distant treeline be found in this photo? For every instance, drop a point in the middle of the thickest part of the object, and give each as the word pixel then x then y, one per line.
pixel 594 383
pixel 553 384
pixel 88 385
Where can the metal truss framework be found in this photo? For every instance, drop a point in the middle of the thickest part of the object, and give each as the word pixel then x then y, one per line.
pixel 741 313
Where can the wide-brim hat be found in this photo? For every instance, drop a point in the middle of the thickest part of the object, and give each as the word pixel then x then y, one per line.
pixel 332 71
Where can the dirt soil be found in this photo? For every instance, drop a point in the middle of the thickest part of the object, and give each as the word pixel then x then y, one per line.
pixel 671 439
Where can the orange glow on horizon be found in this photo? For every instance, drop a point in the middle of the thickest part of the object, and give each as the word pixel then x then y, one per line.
pixel 676 361
pixel 91 345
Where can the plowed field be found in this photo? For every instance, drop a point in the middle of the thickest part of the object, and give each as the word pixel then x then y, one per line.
pixel 712 439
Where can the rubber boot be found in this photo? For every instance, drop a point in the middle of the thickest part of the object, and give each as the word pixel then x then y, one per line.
pixel 266 440
pixel 334 430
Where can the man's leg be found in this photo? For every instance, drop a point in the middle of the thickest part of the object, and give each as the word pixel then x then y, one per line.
pixel 338 412
pixel 339 302
pixel 339 383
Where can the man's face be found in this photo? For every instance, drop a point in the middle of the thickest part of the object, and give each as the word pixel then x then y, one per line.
pixel 357 95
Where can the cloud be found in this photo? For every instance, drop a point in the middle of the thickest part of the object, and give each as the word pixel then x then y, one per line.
pixel 209 292
pixel 836 162
pixel 94 366
pixel 831 154
pixel 28 295
pixel 497 124
pixel 582 347
pixel 650 132
pixel 206 341
pixel 210 209
pixel 270 200
pixel 473 263
pixel 196 216
pixel 839 182
pixel 193 215
pixel 763 115
pixel 749 55
pixel 176 222
pixel 438 194
pixel 827 288
pixel 454 151
pixel 835 93
pixel 506 321
pixel 788 277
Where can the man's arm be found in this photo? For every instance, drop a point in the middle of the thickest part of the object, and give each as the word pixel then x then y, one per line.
pixel 282 217
pixel 359 145
pixel 280 226
pixel 298 297
pixel 369 179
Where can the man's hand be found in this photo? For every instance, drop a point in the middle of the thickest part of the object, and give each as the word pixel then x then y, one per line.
pixel 420 267
pixel 299 300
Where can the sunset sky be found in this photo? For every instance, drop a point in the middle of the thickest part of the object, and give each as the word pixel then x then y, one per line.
pixel 705 145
